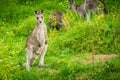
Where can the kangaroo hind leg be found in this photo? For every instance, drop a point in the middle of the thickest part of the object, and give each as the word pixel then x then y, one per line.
pixel 44 49
pixel 28 57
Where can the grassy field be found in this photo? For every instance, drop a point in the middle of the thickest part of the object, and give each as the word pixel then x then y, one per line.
pixel 83 51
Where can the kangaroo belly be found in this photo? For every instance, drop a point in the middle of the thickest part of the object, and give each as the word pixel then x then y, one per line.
pixel 41 36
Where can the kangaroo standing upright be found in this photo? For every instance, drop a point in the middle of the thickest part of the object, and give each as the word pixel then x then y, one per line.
pixel 36 44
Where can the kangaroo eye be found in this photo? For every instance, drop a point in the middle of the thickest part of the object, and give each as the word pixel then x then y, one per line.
pixel 41 17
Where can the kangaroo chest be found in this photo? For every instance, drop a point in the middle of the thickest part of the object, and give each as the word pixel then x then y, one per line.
pixel 41 33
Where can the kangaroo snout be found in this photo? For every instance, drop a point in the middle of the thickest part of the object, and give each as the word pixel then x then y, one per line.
pixel 39 19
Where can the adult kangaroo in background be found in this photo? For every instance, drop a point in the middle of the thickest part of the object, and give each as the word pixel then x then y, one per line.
pixel 85 8
pixel 36 44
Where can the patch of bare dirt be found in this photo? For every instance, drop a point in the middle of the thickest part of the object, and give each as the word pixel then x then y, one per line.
pixel 105 56
pixel 99 58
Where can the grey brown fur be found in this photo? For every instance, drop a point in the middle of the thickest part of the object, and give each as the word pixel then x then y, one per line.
pixel 36 44
pixel 55 20
pixel 85 8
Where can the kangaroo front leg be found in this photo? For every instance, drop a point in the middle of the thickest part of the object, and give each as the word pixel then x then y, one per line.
pixel 41 63
pixel 88 15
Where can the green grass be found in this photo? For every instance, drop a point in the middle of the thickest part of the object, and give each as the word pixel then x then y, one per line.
pixel 69 50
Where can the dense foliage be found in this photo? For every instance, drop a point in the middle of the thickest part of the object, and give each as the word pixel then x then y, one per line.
pixel 68 48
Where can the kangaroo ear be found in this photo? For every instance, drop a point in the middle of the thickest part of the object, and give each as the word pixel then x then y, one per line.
pixel 35 12
pixel 42 11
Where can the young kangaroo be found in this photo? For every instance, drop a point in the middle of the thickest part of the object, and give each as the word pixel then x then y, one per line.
pixel 85 8
pixel 55 20
pixel 36 44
